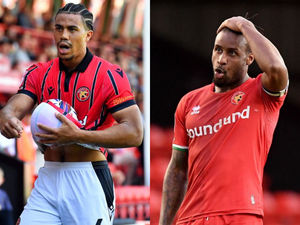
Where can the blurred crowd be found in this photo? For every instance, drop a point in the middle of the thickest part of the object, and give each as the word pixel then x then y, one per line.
pixel 25 39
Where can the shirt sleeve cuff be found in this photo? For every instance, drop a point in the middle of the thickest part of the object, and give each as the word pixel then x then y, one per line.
pixel 121 106
pixel 29 93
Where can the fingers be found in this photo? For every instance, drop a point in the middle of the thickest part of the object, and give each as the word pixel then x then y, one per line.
pixel 46 128
pixel 229 23
pixel 10 133
pixel 59 116
pixel 51 139
pixel 220 27
pixel 60 135
pixel 12 128
pixel 51 135
pixel 17 124
pixel 46 138
pixel 62 118
pixel 234 23
pixel 67 121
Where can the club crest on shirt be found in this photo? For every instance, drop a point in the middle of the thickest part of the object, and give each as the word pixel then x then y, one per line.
pixel 83 94
pixel 237 97
pixel 195 110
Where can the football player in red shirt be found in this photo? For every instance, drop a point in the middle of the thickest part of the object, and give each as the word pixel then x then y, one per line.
pixel 223 132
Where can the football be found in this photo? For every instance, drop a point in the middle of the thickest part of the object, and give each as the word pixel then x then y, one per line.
pixel 44 114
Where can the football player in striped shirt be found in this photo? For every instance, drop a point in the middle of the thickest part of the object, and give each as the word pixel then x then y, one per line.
pixel 75 185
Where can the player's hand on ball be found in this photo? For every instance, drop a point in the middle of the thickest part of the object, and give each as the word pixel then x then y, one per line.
pixel 65 134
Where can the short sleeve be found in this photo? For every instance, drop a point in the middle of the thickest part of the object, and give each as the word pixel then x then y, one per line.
pixel 180 140
pixel 271 102
pixel 117 90
pixel 29 81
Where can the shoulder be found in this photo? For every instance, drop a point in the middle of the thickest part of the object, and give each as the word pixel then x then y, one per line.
pixel 106 64
pixel 254 81
pixel 41 66
pixel 196 93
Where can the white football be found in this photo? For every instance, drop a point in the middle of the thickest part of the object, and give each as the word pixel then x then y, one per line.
pixel 45 112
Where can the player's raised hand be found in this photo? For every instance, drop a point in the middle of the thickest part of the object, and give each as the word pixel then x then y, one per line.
pixel 235 23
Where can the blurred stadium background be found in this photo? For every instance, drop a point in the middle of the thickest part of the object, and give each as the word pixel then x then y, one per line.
pixel 25 38
pixel 182 36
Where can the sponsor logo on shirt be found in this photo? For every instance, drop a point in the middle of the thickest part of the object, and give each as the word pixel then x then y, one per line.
pixel 214 128
pixel 237 97
pixel 83 94
pixel 195 110
pixel 121 99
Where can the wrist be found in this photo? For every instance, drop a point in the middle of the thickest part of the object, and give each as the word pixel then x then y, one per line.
pixel 246 25
pixel 78 137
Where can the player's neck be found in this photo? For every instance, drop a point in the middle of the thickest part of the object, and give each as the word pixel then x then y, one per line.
pixel 73 63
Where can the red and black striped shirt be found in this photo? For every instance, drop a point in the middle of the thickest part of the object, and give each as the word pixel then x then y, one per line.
pixel 95 88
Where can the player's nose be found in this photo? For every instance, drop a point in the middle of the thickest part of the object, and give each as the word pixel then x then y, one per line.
pixel 222 59
pixel 64 35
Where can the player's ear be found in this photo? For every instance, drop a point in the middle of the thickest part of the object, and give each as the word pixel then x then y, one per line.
pixel 89 35
pixel 249 59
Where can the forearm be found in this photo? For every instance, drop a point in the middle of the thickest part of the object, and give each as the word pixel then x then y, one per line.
pixel 174 188
pixel 120 135
pixel 265 53
pixel 17 108
pixel 9 111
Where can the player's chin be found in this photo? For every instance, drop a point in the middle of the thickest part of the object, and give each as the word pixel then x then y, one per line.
pixel 219 82
pixel 65 57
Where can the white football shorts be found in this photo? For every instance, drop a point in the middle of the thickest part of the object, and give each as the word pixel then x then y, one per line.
pixel 71 193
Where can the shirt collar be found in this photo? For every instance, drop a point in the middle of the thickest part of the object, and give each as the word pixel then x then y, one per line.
pixel 82 65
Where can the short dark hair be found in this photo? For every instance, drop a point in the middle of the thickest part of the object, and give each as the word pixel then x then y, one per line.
pixel 79 9
pixel 248 49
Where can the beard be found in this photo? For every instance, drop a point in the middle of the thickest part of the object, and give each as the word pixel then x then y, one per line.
pixel 220 82
pixel 66 58
pixel 228 81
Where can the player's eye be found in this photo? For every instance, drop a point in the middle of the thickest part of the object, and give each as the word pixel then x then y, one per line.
pixel 218 49
pixel 232 52
pixel 72 29
pixel 58 28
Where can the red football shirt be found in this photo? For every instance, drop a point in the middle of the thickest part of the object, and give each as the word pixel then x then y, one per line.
pixel 227 137
pixel 95 88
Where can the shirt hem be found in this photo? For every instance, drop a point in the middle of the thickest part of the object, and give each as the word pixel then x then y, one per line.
pixel 218 213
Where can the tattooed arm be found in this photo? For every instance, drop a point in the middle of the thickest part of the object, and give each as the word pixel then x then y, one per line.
pixel 174 186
